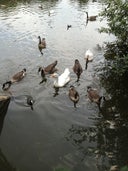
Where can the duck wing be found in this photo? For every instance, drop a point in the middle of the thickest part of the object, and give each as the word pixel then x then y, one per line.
pixel 93 95
pixel 51 68
pixel 18 76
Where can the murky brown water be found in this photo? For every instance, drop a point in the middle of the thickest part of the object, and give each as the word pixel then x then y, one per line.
pixel 50 136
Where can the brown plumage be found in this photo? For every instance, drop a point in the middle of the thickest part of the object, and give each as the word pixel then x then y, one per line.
pixel 50 69
pixel 41 44
pixel 15 78
pixel 73 95
pixel 77 68
pixel 94 96
pixel 91 18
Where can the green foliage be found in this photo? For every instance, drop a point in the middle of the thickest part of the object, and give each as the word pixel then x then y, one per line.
pixel 116 14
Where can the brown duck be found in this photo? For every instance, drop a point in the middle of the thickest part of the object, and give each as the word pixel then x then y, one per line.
pixel 50 69
pixel 15 78
pixel 91 18
pixel 94 96
pixel 73 95
pixel 41 44
pixel 77 68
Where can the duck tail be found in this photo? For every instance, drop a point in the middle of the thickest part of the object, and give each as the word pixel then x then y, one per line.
pixel 9 83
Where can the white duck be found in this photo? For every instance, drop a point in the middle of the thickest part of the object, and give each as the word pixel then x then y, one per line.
pixel 88 57
pixel 63 79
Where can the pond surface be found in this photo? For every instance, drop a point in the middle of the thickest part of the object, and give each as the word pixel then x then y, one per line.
pixel 54 135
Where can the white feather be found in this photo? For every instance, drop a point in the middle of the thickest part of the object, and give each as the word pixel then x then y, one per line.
pixel 63 79
pixel 89 55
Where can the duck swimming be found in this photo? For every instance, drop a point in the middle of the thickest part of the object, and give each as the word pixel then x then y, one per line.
pixel 15 78
pixel 77 68
pixel 91 18
pixel 73 95
pixel 63 79
pixel 94 96
pixel 50 69
pixel 41 44
pixel 88 57
pixel 30 102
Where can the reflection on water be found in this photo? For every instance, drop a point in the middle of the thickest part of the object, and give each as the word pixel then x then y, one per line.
pixel 35 140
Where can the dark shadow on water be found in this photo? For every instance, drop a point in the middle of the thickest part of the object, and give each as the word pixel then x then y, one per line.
pixel 4 164
pixel 3 110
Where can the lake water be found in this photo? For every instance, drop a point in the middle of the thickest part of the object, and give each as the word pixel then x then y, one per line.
pixel 54 135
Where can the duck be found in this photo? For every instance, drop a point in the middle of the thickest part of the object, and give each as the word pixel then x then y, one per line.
pixel 73 95
pixel 68 26
pixel 94 96
pixel 50 12
pixel 88 57
pixel 40 6
pixel 15 78
pixel 77 68
pixel 63 79
pixel 43 75
pixel 50 69
pixel 41 44
pixel 30 102
pixel 91 18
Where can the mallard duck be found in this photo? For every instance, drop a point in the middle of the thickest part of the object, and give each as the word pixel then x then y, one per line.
pixel 91 18
pixel 30 101
pixel 63 79
pixel 94 96
pixel 15 78
pixel 73 95
pixel 88 57
pixel 41 44
pixel 77 68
